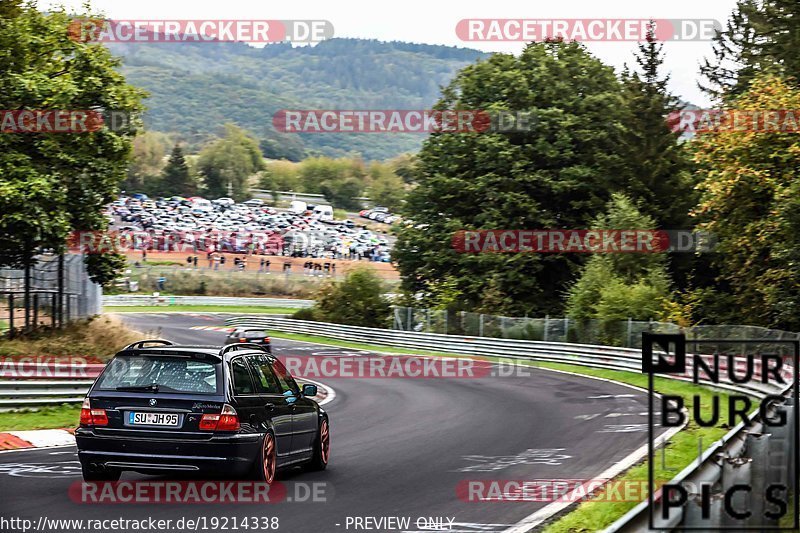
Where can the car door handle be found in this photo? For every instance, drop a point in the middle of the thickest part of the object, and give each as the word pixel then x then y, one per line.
pixel 269 406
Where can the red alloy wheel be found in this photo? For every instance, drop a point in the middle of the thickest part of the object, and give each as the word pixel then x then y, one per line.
pixel 269 458
pixel 324 442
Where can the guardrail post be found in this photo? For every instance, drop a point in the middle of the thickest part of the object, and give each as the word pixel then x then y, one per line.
pixel 60 290
pixel 546 327
pixel 756 446
pixel 10 315
pixel 480 325
pixel 408 319
pixel 27 289
pixel 737 471
pixel 630 332
pixel 446 313
pixel 791 444
pixel 693 515
pixel 35 311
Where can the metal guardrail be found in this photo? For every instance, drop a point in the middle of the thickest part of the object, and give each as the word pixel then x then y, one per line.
pixel 743 455
pixel 34 384
pixel 148 300
pixel 607 357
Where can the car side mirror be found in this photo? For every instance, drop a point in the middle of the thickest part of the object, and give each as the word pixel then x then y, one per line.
pixel 309 390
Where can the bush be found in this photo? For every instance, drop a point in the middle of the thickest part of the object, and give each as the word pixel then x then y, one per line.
pixel 306 313
pixel 357 300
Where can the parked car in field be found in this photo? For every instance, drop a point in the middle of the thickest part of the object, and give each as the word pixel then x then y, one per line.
pixel 167 408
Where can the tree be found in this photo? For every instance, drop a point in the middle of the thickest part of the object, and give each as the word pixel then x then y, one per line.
pixel 52 184
pixel 749 200
pixel 386 188
pixel 176 178
pixel 357 300
pixel 660 180
pixel 147 161
pixel 230 161
pixel 557 174
pixel 624 285
pixel 282 146
pixel 340 180
pixel 761 36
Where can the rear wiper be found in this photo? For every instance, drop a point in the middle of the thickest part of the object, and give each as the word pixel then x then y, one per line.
pixel 139 388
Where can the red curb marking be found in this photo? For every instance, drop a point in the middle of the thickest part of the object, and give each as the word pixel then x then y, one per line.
pixel 10 442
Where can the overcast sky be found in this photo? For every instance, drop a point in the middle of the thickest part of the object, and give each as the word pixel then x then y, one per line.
pixel 434 22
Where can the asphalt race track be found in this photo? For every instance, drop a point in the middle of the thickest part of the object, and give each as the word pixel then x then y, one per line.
pixel 399 447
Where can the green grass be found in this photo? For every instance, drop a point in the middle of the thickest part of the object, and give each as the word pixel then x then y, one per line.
pixel 63 416
pixel 199 309
pixel 680 451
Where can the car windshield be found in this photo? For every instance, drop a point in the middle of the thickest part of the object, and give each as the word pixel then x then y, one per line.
pixel 168 374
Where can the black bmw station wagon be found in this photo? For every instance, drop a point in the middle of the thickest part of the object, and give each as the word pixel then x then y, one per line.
pixel 159 408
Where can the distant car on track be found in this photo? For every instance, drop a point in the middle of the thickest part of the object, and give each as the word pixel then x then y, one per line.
pixel 249 335
pixel 166 408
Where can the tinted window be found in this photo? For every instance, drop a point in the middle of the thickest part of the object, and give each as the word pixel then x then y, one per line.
pixel 171 374
pixel 254 334
pixel 266 381
pixel 284 378
pixel 242 383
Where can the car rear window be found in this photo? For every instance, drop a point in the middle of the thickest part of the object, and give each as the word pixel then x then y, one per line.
pixel 254 334
pixel 171 374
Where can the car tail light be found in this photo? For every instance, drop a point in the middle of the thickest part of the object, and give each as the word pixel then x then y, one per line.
pixel 266 339
pixel 92 417
pixel 227 420
pixel 242 339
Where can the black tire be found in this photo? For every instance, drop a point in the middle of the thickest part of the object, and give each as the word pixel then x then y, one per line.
pixel 322 447
pixel 262 470
pixel 104 475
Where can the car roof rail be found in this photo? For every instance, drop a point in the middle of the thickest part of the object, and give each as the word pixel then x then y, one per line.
pixel 140 344
pixel 242 346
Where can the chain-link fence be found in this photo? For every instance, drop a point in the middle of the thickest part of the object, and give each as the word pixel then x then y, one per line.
pixel 625 333
pixel 51 292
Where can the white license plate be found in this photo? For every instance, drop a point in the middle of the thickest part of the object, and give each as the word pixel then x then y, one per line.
pixel 153 419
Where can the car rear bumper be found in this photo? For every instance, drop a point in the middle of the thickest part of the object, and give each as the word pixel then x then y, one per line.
pixel 230 455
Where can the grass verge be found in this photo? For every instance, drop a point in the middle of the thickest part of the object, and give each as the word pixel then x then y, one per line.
pixel 62 416
pixel 98 337
pixel 253 310
pixel 680 451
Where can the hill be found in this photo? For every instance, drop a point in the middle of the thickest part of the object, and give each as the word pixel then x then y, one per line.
pixel 196 87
